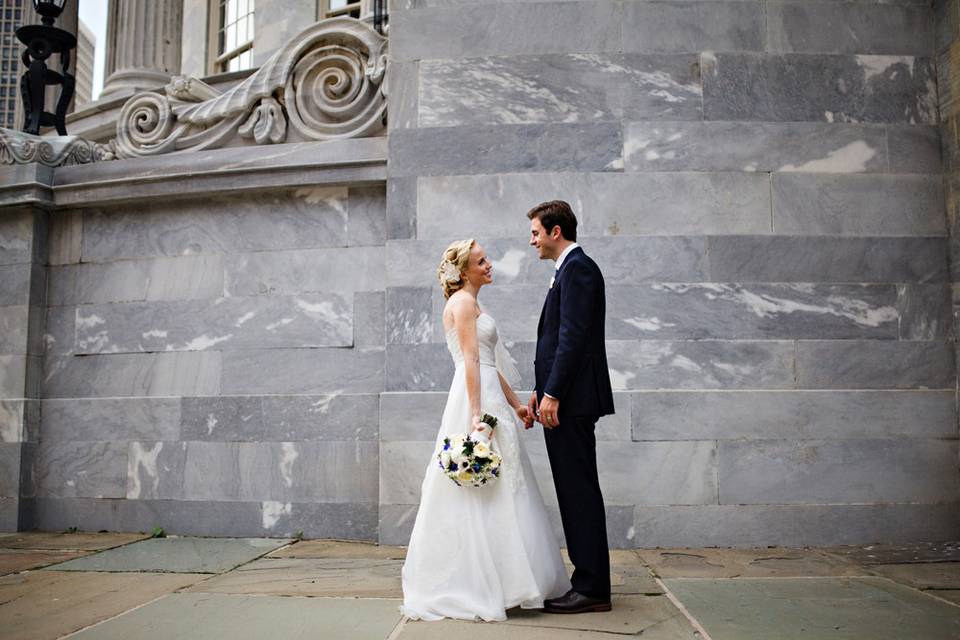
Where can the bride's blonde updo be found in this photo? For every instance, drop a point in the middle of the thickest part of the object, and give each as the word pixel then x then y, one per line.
pixel 452 266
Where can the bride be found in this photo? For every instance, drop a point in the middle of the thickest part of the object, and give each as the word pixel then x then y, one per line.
pixel 477 551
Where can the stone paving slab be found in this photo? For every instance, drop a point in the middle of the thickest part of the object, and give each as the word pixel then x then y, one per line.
pixel 55 541
pixel 937 575
pixel 16 560
pixel 345 577
pixel 637 580
pixel 748 563
pixel 48 604
pixel 821 608
pixel 456 630
pixel 951 595
pixel 338 549
pixel 212 616
pixel 899 553
pixel 177 555
pixel 653 616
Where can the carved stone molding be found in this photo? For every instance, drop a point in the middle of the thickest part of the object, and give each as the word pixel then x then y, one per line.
pixel 329 82
pixel 17 147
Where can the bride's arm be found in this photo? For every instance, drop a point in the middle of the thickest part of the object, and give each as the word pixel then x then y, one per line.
pixel 509 392
pixel 522 411
pixel 465 320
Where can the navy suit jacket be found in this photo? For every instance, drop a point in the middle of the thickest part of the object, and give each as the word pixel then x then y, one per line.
pixel 571 360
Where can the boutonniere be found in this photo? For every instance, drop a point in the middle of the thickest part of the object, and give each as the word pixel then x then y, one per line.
pixel 552 280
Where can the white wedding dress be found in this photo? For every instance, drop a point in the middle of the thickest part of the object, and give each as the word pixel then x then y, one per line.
pixel 477 551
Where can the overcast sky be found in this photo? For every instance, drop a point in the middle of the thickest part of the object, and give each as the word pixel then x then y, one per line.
pixel 93 13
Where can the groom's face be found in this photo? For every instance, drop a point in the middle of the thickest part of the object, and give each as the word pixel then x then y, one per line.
pixel 543 242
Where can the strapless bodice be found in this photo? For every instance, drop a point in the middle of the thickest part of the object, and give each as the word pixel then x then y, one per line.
pixel 486 341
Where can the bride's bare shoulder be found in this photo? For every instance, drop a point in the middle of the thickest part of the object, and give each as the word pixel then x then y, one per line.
pixel 460 308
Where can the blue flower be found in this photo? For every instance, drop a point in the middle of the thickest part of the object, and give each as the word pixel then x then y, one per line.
pixel 476 466
pixel 453 466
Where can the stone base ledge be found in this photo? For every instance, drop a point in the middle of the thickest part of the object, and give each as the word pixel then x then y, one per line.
pixel 355 161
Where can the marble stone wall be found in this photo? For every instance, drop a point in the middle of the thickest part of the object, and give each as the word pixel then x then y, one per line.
pixel 23 233
pixel 761 183
pixel 214 365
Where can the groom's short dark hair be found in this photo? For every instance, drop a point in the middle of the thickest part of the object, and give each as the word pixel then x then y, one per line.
pixel 556 213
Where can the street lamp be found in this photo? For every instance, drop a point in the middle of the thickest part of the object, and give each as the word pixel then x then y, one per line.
pixel 43 40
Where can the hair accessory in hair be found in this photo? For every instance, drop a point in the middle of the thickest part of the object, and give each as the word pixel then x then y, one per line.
pixel 450 271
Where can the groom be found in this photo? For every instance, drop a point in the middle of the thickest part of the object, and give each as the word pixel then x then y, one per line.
pixel 572 392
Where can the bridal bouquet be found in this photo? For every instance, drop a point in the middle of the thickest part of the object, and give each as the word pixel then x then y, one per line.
pixel 468 461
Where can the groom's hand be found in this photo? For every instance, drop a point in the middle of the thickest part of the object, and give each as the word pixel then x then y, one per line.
pixel 532 408
pixel 549 409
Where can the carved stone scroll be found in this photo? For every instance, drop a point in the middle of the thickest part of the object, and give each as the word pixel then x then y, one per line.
pixel 329 82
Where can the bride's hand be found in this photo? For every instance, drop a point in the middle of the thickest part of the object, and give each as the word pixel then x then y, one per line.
pixel 524 414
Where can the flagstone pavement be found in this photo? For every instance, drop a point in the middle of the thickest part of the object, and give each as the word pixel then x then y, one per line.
pixel 129 585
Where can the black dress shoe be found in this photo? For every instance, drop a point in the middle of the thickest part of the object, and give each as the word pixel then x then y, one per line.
pixel 573 602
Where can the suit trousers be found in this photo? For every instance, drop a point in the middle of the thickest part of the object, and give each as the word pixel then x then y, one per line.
pixel 572 449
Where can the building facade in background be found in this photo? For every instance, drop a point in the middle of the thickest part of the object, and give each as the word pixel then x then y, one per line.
pixel 235 330
pixel 86 46
pixel 11 17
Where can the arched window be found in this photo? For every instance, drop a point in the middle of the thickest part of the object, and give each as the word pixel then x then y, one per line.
pixel 233 36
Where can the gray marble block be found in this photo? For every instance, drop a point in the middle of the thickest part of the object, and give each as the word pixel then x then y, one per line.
pixel 304 218
pixel 133 374
pixel 110 419
pixel 14 323
pixel 10 469
pixel 16 237
pixel 879 364
pixel 914 149
pixel 331 471
pixel 837 471
pixel 925 311
pixel 653 364
pixel 403 80
pixel 792 525
pixel 755 311
pixel 366 216
pixel 301 271
pixel 818 88
pixel 841 27
pixel 501 148
pixel 902 205
pixel 658 472
pixel 13 376
pixel 703 415
pixel 281 418
pixel 693 26
pixel 506 29
pixel 310 320
pixel 560 89
pixel 180 278
pixel 778 258
pixel 15 284
pixel 401 208
pixel 60 331
pixel 368 319
pixel 313 371
pixel 81 469
pixel 810 147
pixel 605 203
pixel 347 521
pixel 409 315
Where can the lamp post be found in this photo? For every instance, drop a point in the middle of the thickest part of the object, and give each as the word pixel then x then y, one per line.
pixel 43 40
pixel 379 15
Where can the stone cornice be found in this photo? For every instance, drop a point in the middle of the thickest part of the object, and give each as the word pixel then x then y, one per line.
pixel 209 173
